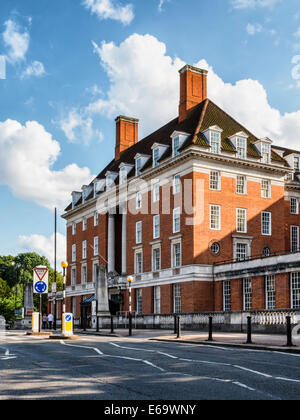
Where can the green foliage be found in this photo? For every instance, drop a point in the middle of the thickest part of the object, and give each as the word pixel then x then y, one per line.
pixel 15 272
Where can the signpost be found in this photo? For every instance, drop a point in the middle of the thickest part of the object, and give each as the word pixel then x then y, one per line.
pixel 67 324
pixel 40 285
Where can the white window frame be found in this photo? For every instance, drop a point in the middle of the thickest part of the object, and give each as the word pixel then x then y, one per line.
pixel 215 143
pixel 139 301
pixel 226 296
pixel 156 262
pixel 176 220
pixel 177 298
pixel 215 211
pixel 266 192
pixel 139 231
pixel 84 250
pixel 73 276
pixel 156 226
pixel 138 261
pixel 294 229
pixel 176 184
pixel 266 152
pixel 84 279
pixel 84 223
pixel 74 226
pixel 138 167
pixel 241 147
pixel 295 290
pixel 156 300
pixel 155 157
pixel 96 246
pixel 73 252
pixel 175 245
pixel 139 200
pixel 156 193
pixel 247 294
pixel 266 232
pixel 175 146
pixel 215 181
pixel 270 288
pixel 239 246
pixel 241 220
pixel 96 219
pixel 294 205
pixel 241 187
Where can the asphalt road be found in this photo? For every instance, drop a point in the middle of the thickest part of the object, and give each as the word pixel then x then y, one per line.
pixel 100 368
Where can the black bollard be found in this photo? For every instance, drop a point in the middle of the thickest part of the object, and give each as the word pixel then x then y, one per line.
pixel 178 327
pixel 130 324
pixel 210 328
pixel 289 331
pixel 249 330
pixel 175 324
pixel 112 324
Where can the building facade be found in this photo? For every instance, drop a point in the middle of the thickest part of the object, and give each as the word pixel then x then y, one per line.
pixel 201 213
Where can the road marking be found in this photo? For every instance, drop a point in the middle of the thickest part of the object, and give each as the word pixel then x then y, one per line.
pixel 244 386
pixel 82 347
pixel 137 349
pixel 253 371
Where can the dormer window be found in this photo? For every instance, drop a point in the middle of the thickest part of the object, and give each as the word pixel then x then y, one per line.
pixel 110 180
pixel 266 152
pixel 125 168
pixel 84 194
pixel 75 197
pixel 156 157
pixel 213 136
pixel 140 161
pixel 123 176
pixel 178 139
pixel 241 147
pixel 176 146
pixel 297 163
pixel 215 142
pixel 138 167
pixel 98 186
pixel 157 152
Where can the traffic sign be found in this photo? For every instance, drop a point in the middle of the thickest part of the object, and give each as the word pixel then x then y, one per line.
pixel 40 280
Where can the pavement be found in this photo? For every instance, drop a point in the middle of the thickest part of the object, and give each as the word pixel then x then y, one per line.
pixel 270 342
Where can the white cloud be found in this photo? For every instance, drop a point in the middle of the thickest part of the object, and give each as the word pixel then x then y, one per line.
pixel 110 9
pixel 161 4
pixel 16 41
pixel 28 153
pixel 142 85
pixel 250 4
pixel 253 29
pixel 45 247
pixel 79 127
pixel 36 69
pixel 296 69
pixel 147 87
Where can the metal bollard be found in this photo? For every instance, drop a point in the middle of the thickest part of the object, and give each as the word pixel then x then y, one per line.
pixel 249 330
pixel 289 331
pixel 179 327
pixel 210 328
pixel 112 324
pixel 130 324
pixel 175 324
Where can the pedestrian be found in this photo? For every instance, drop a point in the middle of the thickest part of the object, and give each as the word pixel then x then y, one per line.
pixel 45 321
pixel 50 321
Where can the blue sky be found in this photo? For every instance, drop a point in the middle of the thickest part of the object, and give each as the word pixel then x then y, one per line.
pixel 72 66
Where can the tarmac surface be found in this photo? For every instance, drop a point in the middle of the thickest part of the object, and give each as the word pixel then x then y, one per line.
pixel 142 368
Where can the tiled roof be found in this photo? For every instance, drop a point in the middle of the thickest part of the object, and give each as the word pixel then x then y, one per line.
pixel 203 116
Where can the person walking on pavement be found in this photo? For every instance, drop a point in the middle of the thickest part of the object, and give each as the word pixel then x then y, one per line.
pixel 50 321
pixel 45 321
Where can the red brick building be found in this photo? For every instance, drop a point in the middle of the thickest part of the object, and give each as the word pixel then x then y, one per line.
pixel 202 213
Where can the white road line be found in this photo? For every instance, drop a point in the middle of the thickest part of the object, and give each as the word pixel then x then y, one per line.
pixel 244 386
pixel 253 371
pixel 147 350
pixel 82 347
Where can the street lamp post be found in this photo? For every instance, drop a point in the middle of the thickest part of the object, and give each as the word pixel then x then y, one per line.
pixel 130 280
pixel 64 265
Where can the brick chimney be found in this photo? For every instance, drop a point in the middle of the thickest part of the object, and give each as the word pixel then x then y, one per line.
pixel 193 89
pixel 126 134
